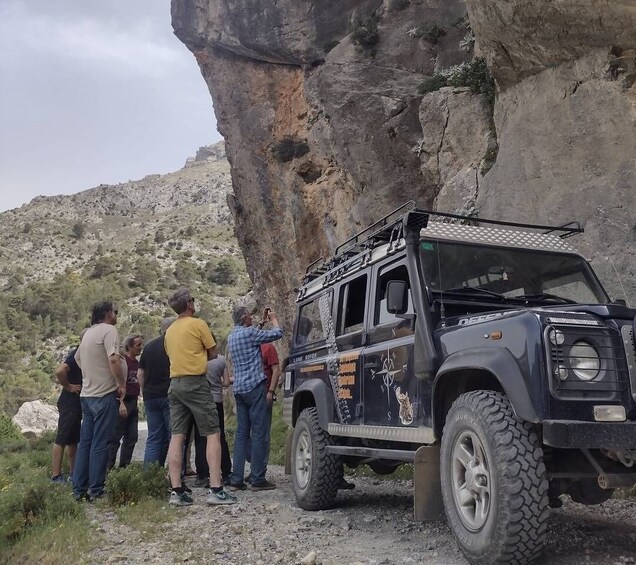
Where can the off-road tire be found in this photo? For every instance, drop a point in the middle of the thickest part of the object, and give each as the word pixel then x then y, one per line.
pixel 325 471
pixel 514 530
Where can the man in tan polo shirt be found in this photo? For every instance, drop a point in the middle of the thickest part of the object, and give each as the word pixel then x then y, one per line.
pixel 104 381
pixel 189 345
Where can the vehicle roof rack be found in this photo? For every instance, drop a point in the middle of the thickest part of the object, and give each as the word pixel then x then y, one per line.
pixel 390 228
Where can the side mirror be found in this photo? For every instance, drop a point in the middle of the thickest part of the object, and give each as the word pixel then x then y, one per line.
pixel 397 297
pixel 620 302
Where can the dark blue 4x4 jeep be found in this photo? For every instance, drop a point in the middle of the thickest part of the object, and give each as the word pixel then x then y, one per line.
pixel 488 356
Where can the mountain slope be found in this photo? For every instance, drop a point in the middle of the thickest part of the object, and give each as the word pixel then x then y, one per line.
pixel 133 243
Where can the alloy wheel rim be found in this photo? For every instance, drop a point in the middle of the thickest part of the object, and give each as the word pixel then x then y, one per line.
pixel 303 459
pixel 471 480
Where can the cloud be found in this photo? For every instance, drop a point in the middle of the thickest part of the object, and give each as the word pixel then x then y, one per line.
pixel 123 46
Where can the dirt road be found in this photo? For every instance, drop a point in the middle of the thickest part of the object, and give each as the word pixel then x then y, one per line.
pixel 370 525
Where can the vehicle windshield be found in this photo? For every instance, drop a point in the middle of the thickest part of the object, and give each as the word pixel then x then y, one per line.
pixel 506 273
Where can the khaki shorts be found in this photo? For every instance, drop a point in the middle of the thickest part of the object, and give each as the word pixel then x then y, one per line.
pixel 190 398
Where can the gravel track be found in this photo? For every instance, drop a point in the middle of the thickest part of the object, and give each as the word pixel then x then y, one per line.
pixel 370 525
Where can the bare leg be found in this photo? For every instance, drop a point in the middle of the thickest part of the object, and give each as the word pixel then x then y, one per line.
pixel 175 459
pixel 71 450
pixel 213 455
pixel 56 459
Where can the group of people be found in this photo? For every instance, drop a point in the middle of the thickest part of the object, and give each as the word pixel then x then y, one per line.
pixel 181 377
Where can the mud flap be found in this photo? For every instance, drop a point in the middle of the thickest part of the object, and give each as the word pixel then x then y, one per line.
pixel 428 503
pixel 288 450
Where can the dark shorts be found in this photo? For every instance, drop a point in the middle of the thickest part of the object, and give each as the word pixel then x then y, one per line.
pixel 68 425
pixel 190 399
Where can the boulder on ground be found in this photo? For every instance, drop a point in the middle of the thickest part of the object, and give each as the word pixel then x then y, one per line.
pixel 35 418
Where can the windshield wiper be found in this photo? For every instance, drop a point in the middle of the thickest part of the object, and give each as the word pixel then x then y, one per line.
pixel 546 296
pixel 472 290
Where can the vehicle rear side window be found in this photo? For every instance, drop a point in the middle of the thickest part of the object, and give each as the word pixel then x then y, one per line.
pixel 309 324
pixel 352 303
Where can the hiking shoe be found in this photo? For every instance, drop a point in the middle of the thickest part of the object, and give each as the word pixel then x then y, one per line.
pixel 82 497
pixel 183 499
pixel 58 480
pixel 220 497
pixel 237 486
pixel 203 482
pixel 186 488
pixel 265 485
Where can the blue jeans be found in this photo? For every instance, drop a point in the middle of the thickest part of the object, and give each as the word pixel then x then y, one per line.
pixel 158 417
pixel 251 419
pixel 98 425
pixel 268 433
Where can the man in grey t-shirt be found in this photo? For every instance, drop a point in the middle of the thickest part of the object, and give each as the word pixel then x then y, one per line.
pixel 219 378
pixel 104 381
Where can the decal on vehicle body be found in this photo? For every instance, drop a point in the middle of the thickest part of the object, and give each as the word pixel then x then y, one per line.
pixel 478 319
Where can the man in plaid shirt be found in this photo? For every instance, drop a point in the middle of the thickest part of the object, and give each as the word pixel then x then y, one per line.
pixel 252 396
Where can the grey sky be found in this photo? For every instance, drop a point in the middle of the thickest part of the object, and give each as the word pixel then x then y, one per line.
pixel 94 91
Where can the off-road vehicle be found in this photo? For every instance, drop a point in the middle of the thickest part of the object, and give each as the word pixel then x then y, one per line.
pixel 489 356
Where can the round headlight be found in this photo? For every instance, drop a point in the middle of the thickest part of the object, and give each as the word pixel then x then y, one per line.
pixel 584 361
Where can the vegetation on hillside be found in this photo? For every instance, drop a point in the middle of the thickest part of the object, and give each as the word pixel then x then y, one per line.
pixel 54 267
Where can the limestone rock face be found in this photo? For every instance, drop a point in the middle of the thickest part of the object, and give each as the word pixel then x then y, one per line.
pixel 35 418
pixel 327 127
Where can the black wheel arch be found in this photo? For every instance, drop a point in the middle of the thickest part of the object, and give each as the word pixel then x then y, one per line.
pixel 313 393
pixel 481 369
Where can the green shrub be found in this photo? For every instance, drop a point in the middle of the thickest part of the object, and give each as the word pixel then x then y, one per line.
pixel 365 34
pixel 428 31
pixel 431 84
pixel 474 75
pixel 9 432
pixel 134 483
pixel 23 506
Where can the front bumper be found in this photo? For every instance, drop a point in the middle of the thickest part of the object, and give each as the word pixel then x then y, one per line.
pixel 591 435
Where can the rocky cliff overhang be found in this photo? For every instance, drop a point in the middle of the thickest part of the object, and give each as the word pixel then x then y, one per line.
pixel 335 112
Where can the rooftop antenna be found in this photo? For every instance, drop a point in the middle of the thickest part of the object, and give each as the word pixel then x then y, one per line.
pixel 618 277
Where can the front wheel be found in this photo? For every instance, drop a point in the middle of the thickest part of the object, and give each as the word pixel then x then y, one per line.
pixel 494 482
pixel 316 474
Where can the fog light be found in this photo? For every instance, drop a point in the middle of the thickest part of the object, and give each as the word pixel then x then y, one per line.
pixel 556 337
pixel 609 413
pixel 561 372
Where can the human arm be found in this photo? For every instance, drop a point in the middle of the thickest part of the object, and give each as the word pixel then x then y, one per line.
pixel 61 374
pixel 226 378
pixel 116 370
pixel 140 379
pixel 212 353
pixel 266 336
pixel 272 364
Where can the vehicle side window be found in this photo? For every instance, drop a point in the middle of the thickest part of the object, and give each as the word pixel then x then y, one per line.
pixel 309 324
pixel 352 303
pixel 391 273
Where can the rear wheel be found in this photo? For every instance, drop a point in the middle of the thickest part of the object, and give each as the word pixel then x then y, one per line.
pixel 494 482
pixel 316 474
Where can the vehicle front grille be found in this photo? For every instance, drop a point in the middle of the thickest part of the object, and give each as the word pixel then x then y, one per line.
pixel 613 377
pixel 629 341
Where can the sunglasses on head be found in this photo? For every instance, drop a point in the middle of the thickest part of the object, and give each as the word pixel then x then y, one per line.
pixel 115 312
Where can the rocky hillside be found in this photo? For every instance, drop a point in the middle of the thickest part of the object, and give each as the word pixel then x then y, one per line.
pixel 55 234
pixel 132 243
pixel 334 113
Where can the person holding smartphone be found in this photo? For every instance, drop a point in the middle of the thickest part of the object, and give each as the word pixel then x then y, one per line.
pixel 252 397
